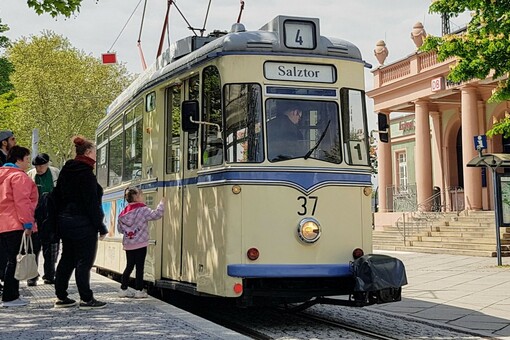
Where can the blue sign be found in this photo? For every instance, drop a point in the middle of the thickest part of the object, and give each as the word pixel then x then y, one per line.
pixel 480 142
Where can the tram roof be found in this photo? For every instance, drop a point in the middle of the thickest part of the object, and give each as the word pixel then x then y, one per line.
pixel 267 40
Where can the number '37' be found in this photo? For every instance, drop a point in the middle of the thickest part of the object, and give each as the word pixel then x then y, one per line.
pixel 307 204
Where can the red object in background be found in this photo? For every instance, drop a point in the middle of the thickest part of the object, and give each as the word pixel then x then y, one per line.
pixel 109 58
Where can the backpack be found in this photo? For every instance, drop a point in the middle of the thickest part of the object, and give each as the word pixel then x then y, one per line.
pixel 46 217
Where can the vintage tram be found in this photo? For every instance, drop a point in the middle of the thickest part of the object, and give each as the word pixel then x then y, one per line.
pixel 259 142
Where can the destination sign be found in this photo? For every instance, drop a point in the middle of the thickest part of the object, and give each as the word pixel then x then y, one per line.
pixel 300 72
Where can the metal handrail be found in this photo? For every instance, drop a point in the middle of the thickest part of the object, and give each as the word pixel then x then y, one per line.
pixel 420 216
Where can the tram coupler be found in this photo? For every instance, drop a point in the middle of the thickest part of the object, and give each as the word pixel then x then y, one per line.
pixel 378 279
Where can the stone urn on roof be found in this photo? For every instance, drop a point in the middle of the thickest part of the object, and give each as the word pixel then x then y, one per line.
pixel 381 52
pixel 418 34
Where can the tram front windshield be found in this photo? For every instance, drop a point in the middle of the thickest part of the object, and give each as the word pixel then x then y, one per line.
pixel 303 129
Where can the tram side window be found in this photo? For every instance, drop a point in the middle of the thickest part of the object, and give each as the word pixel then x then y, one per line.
pixel 212 143
pixel 193 94
pixel 133 150
pixel 116 147
pixel 173 125
pixel 354 126
pixel 102 160
pixel 243 123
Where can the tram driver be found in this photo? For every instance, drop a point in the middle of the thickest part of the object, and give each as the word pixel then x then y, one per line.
pixel 285 140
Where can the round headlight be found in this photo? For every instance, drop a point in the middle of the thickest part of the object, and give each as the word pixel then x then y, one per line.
pixel 309 230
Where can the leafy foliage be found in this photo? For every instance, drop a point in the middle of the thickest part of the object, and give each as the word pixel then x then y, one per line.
pixel 55 7
pixel 5 66
pixel 60 90
pixel 9 105
pixel 501 127
pixel 4 41
pixel 484 49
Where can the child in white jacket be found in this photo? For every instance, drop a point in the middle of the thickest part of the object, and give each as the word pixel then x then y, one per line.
pixel 133 225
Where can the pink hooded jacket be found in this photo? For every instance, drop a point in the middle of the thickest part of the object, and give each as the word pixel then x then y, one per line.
pixel 132 224
pixel 18 199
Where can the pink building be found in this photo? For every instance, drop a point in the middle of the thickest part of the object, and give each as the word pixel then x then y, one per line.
pixel 429 148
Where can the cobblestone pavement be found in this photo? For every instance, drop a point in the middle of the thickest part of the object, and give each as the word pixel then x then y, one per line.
pixel 459 292
pixel 123 318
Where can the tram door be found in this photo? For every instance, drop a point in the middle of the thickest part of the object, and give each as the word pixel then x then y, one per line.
pixel 179 233
pixel 172 220
pixel 190 191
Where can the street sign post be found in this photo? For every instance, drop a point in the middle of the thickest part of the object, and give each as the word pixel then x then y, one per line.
pixel 480 143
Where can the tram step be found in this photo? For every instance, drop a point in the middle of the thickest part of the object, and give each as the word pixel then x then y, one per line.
pixel 488 239
pixel 456 245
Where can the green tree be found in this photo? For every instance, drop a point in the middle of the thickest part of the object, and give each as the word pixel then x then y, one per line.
pixel 55 7
pixel 8 102
pixel 483 50
pixel 5 65
pixel 61 91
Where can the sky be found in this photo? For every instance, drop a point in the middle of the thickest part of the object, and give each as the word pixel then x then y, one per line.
pixel 98 24
pixel 98 27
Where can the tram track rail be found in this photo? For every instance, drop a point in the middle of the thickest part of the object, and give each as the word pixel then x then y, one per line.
pixel 357 330
pixel 319 322
pixel 265 323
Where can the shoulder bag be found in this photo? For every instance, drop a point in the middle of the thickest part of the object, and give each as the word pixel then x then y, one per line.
pixel 26 266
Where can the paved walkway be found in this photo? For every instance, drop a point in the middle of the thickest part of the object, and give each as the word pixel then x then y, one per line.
pixel 460 291
pixel 123 318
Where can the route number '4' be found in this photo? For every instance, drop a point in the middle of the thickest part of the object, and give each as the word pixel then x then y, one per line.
pixel 299 34
pixel 299 38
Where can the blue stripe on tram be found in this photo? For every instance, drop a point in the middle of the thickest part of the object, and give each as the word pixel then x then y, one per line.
pixel 288 270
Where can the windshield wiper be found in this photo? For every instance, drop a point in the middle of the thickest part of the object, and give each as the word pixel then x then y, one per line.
pixel 318 142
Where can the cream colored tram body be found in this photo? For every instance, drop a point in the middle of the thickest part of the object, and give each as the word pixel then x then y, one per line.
pixel 250 214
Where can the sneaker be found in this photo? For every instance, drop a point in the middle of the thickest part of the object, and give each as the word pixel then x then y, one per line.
pixel 32 282
pixel 92 304
pixel 16 303
pixel 67 302
pixel 49 281
pixel 140 294
pixel 126 293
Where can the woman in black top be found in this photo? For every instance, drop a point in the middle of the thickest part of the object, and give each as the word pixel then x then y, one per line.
pixel 79 221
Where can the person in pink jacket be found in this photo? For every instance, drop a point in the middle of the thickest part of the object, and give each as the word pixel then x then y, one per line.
pixel 18 199
pixel 132 224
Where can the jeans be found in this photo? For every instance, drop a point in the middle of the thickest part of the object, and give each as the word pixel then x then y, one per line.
pixel 3 262
pixel 135 257
pixel 78 255
pixel 50 253
pixel 36 242
pixel 10 242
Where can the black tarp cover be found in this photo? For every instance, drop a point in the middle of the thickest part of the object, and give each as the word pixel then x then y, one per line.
pixel 375 272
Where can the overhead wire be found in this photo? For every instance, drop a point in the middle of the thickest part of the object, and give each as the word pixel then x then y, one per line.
pixel 240 12
pixel 139 42
pixel 123 28
pixel 205 19
pixel 165 27
pixel 186 20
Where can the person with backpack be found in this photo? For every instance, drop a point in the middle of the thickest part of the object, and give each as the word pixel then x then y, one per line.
pixel 45 177
pixel 132 224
